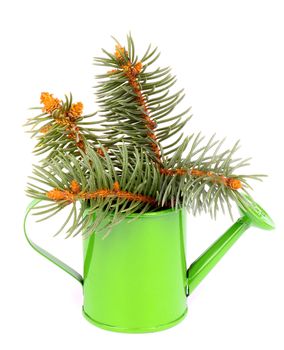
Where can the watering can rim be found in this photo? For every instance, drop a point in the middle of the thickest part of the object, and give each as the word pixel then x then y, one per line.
pixel 162 212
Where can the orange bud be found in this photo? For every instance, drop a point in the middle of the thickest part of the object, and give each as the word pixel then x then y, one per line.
pixel 56 195
pixel 45 129
pixel 120 51
pixel 234 184
pixel 80 144
pixel 50 103
pixel 101 152
pixel 112 71
pixel 75 187
pixel 181 171
pixel 138 66
pixel 116 186
pixel 195 172
pixel 76 110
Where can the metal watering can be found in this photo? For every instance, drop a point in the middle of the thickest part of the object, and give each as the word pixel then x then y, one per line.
pixel 136 280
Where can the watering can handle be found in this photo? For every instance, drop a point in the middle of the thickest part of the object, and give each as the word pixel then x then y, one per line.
pixel 252 215
pixel 46 254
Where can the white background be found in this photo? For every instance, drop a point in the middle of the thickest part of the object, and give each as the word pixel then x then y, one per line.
pixel 229 57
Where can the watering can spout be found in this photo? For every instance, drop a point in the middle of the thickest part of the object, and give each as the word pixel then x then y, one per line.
pixel 252 215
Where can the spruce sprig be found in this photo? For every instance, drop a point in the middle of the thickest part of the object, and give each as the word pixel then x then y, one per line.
pixel 62 126
pixel 125 160
pixel 136 102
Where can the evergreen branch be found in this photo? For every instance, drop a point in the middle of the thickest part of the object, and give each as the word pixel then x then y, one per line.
pixel 100 192
pixel 72 195
pixel 62 126
pixel 119 164
pixel 124 98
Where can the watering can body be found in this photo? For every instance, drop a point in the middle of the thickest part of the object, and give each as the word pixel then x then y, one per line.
pixel 136 279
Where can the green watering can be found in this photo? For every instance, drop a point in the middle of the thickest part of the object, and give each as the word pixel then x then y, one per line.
pixel 136 280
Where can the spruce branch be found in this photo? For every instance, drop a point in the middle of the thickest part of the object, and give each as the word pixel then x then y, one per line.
pixel 125 161
pixel 66 185
pixel 62 125
pixel 124 95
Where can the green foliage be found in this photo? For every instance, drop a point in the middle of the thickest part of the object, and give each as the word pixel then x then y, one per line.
pixel 93 172
pixel 118 102
pixel 55 137
pixel 133 157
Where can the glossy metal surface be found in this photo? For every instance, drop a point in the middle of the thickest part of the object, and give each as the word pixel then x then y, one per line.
pixel 46 254
pixel 253 216
pixel 136 279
